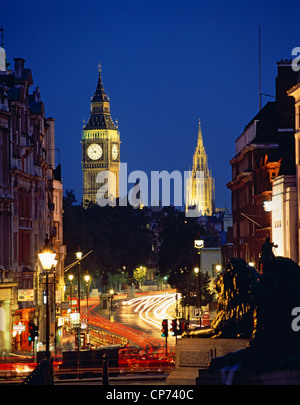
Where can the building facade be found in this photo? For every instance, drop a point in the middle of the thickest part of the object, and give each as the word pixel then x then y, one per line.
pixel 31 207
pixel 100 150
pixel 264 151
pixel 294 93
pixel 200 187
pixel 283 209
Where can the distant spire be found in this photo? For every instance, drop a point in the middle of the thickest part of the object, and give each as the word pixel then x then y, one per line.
pixel 99 93
pixel 100 117
pixel 200 139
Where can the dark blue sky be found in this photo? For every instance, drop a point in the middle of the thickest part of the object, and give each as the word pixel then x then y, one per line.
pixel 165 64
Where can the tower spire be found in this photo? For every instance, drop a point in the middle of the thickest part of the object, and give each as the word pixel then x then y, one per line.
pixel 200 139
pixel 99 95
pixel 100 117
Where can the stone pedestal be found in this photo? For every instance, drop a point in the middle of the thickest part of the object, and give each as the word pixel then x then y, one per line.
pixel 194 354
pixel 130 291
pixel 244 377
pixel 104 300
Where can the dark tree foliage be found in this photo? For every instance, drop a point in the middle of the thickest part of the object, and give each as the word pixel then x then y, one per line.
pixel 118 236
pixel 178 257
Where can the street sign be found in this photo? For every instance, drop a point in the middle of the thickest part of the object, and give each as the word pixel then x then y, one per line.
pixel 73 302
pixel 197 312
pixel 19 328
pixel 26 294
pixel 65 305
pixel 75 319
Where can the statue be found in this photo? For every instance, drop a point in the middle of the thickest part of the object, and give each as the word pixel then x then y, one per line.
pixel 266 252
pixel 234 318
pixel 273 343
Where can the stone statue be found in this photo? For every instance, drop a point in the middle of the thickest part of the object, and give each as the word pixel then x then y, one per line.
pixel 234 318
pixel 273 343
pixel 266 252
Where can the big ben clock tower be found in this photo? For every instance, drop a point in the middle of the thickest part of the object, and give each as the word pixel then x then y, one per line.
pixel 100 146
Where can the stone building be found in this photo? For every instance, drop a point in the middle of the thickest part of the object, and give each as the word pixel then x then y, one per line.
pixel 31 194
pixel 200 188
pixel 264 151
pixel 100 150
pixel 294 93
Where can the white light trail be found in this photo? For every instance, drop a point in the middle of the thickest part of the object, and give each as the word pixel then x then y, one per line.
pixel 153 309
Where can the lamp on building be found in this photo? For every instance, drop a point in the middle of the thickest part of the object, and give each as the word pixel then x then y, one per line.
pixel 268 206
pixel 47 259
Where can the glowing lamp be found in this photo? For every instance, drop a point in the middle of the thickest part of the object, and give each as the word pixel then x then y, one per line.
pixel 47 259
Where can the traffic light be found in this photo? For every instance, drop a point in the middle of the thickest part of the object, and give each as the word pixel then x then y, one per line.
pixel 174 327
pixel 182 326
pixel 165 330
pixel 32 332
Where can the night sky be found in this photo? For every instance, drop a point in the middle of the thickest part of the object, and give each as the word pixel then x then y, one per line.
pixel 165 64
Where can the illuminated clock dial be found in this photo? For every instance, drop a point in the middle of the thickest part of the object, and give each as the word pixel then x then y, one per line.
pixel 94 151
pixel 114 152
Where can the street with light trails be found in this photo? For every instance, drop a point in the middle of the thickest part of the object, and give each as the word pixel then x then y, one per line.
pixel 138 320
pixel 154 308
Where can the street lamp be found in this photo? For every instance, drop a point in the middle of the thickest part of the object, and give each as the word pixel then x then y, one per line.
pixel 71 279
pixel 111 291
pixel 47 259
pixel 196 270
pixel 198 244
pixel 79 256
pixel 87 279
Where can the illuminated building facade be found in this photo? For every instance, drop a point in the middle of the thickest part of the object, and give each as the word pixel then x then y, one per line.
pixel 100 148
pixel 294 93
pixel 31 194
pixel 200 187
pixel 265 152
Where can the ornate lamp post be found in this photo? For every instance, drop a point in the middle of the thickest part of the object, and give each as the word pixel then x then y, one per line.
pixel 71 279
pixel 198 244
pixel 112 292
pixel 47 259
pixel 87 279
pixel 79 256
pixel 196 270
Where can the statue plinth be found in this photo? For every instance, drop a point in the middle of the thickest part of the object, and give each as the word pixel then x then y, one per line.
pixel 193 354
pixel 245 377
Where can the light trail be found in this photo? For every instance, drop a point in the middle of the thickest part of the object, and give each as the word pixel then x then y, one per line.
pixel 153 309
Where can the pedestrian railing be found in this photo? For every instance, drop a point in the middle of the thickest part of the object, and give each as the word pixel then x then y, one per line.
pixel 42 374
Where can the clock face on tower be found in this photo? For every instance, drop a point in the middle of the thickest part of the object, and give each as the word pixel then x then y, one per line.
pixel 94 151
pixel 114 152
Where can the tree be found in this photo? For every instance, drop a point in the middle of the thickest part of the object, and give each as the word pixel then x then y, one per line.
pixel 177 256
pixel 140 273
pixel 118 236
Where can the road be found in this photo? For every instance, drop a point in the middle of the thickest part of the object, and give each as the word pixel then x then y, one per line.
pixel 138 319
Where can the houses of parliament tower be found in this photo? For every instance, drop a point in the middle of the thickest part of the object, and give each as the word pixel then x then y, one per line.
pixel 200 188
pixel 100 147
